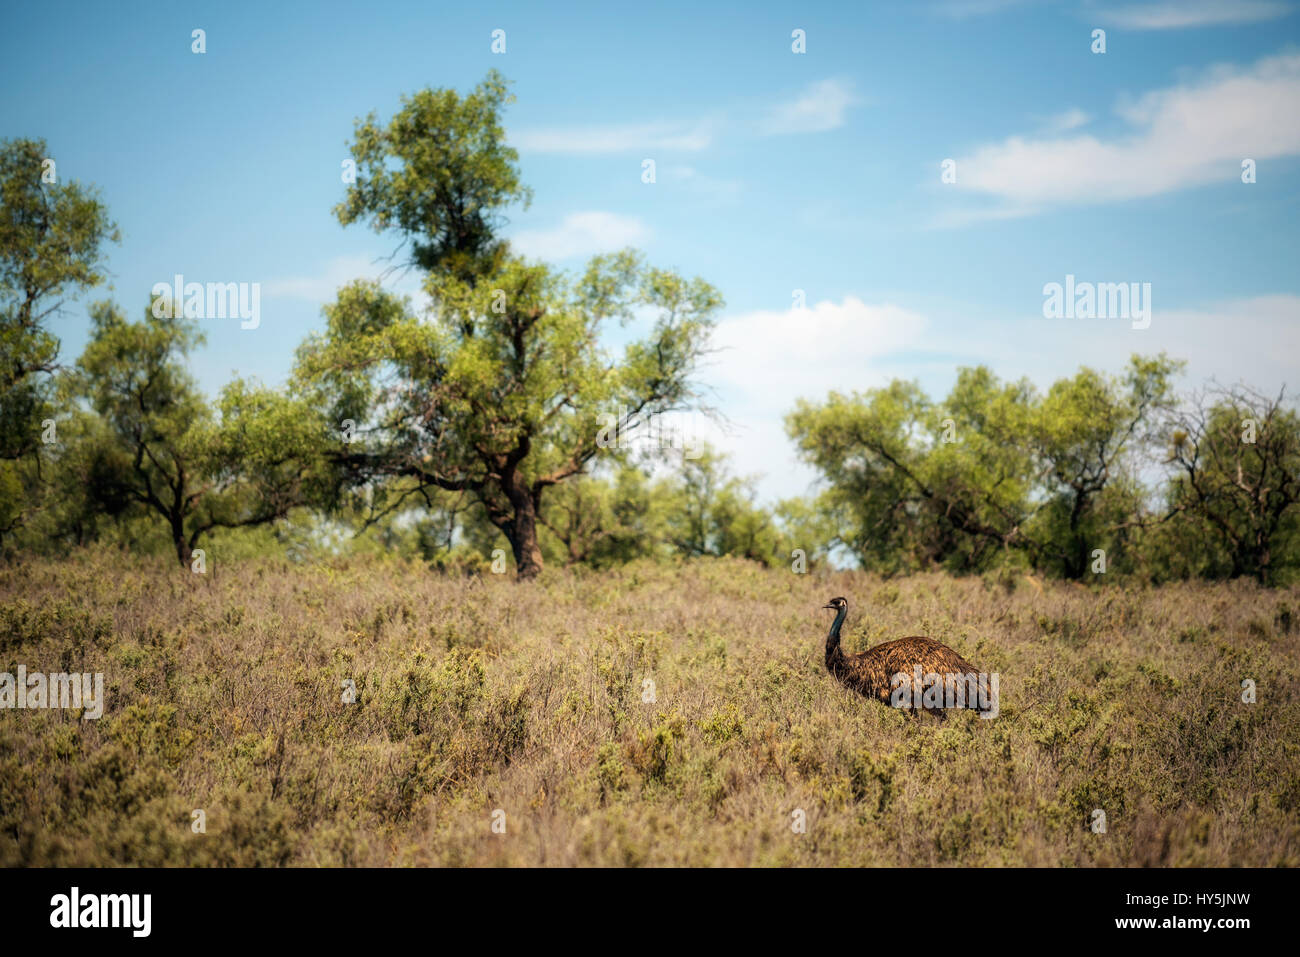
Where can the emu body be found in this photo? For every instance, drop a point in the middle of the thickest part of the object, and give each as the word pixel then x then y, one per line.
pixel 872 672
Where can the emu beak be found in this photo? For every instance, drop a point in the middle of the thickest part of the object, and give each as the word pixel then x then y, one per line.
pixel 828 605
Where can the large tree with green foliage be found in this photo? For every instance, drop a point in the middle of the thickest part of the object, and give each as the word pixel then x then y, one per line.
pixel 1088 436
pixel 440 173
pixel 52 236
pixel 902 488
pixel 51 246
pixel 994 470
pixel 248 464
pixel 500 391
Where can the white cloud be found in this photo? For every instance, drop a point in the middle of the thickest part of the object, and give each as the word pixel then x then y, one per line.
pixel 1192 13
pixel 324 286
pixel 771 359
pixel 774 357
pixel 615 139
pixel 581 234
pixel 766 360
pixel 1069 120
pixel 1183 136
pixel 1253 340
pixel 960 217
pixel 820 108
pixel 707 187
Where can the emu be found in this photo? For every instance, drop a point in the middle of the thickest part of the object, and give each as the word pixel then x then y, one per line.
pixel 872 673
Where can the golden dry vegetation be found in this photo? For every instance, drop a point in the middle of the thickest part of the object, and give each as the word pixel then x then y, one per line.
pixel 225 693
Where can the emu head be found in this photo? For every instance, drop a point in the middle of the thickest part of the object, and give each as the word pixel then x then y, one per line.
pixel 836 604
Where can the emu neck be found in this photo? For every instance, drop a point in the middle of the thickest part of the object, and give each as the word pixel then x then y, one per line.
pixel 835 657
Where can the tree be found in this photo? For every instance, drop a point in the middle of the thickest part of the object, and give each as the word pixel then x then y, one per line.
pixel 503 405
pixel 501 390
pixel 912 483
pixel 1236 459
pixel 714 513
pixel 440 173
pixel 604 520
pixel 197 471
pixel 86 486
pixel 1083 434
pixel 51 239
pixel 51 247
pixel 995 470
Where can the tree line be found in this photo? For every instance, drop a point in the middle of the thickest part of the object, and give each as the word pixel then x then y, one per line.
pixel 472 431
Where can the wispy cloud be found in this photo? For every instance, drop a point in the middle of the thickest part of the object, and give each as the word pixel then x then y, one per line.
pixel 963 216
pixel 1183 14
pixel 819 108
pixel 581 234
pixel 324 285
pixel 1183 136
pixel 626 138
pixel 1066 121
pixel 707 188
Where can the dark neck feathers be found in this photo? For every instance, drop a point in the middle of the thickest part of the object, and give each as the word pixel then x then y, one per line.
pixel 835 657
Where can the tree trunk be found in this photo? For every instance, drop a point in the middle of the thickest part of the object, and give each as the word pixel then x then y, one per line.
pixel 528 554
pixel 1076 562
pixel 1263 566
pixel 183 550
pixel 523 528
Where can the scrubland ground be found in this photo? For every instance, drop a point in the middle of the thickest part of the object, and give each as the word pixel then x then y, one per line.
pixel 478 695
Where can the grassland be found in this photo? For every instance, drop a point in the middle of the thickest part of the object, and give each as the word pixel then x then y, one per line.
pixel 225 694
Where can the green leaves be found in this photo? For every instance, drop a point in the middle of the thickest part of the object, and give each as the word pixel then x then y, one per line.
pixel 51 239
pixel 506 378
pixel 995 467
pixel 1234 456
pixel 158 446
pixel 501 389
pixel 870 447
pixel 440 173
pixel 51 235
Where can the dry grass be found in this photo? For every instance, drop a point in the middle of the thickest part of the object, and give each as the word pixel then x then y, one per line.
pixel 224 694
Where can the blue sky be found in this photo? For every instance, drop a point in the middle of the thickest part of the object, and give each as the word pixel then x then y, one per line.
pixel 775 171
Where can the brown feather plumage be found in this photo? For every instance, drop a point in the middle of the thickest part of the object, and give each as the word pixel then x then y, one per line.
pixel 871 672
